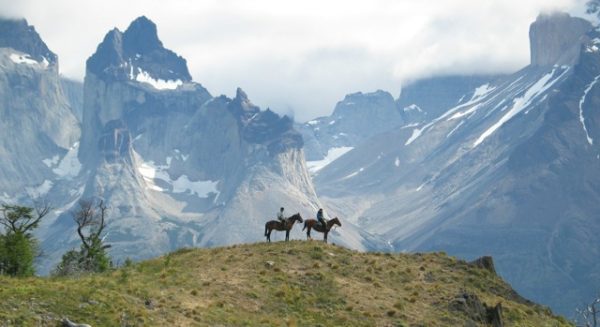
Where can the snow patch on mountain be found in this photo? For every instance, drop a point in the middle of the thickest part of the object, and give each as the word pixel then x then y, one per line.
pixel 332 154
pixel 51 162
pixel 482 91
pixel 27 60
pixel 355 173
pixel 69 166
pixel 594 46
pixel 153 173
pixel 479 95
pixel 412 107
pixel 455 128
pixel 581 102
pixel 521 103
pixel 159 84
pixel 415 134
pixel 40 190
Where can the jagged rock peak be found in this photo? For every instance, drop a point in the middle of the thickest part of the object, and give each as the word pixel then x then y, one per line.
pixel 19 35
pixel 138 54
pixel 241 95
pixel 242 107
pixel 555 38
pixel 141 36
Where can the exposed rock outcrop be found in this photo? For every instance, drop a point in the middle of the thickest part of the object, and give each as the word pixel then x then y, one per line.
pixel 556 38
pixel 478 312
pixel 485 262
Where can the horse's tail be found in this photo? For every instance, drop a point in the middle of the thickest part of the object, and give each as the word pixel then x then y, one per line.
pixel 305 225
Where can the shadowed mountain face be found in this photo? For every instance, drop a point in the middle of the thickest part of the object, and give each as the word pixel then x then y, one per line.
pixel 510 171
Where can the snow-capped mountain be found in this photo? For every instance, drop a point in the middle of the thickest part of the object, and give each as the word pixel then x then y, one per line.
pixel 177 166
pixel 510 171
pixel 355 118
pixel 360 116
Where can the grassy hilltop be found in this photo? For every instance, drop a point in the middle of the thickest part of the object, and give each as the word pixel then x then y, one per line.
pixel 298 283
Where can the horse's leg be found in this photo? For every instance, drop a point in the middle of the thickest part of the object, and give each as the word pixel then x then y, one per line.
pixel 268 234
pixel 325 236
pixel 308 233
pixel 287 235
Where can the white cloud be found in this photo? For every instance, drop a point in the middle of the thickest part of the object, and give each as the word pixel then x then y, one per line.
pixel 304 56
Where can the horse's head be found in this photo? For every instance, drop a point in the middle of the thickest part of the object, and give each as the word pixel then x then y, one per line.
pixel 297 217
pixel 336 221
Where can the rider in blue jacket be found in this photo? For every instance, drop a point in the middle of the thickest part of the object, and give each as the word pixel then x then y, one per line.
pixel 321 218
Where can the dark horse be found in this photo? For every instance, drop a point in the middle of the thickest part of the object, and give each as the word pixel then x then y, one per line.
pixel 314 224
pixel 286 226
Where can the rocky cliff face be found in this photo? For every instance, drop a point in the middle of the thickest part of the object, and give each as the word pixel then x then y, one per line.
pixel 38 128
pixel 510 171
pixel 556 38
pixel 73 91
pixel 177 166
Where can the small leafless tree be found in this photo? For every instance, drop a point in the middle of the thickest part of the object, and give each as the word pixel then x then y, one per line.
pixel 90 216
pixel 590 314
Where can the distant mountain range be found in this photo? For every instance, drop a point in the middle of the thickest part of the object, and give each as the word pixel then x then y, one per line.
pixel 504 165
pixel 511 169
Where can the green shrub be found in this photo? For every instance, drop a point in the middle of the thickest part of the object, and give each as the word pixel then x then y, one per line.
pixel 17 252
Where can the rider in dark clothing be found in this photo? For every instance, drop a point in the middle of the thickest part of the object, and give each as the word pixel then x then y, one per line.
pixel 321 218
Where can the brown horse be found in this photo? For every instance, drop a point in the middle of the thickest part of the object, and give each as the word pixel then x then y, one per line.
pixel 286 226
pixel 314 224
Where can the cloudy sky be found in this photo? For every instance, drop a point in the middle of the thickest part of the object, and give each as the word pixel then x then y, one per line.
pixel 301 57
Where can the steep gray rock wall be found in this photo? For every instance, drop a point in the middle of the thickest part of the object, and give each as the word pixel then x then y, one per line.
pixel 37 125
pixel 73 91
pixel 556 38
